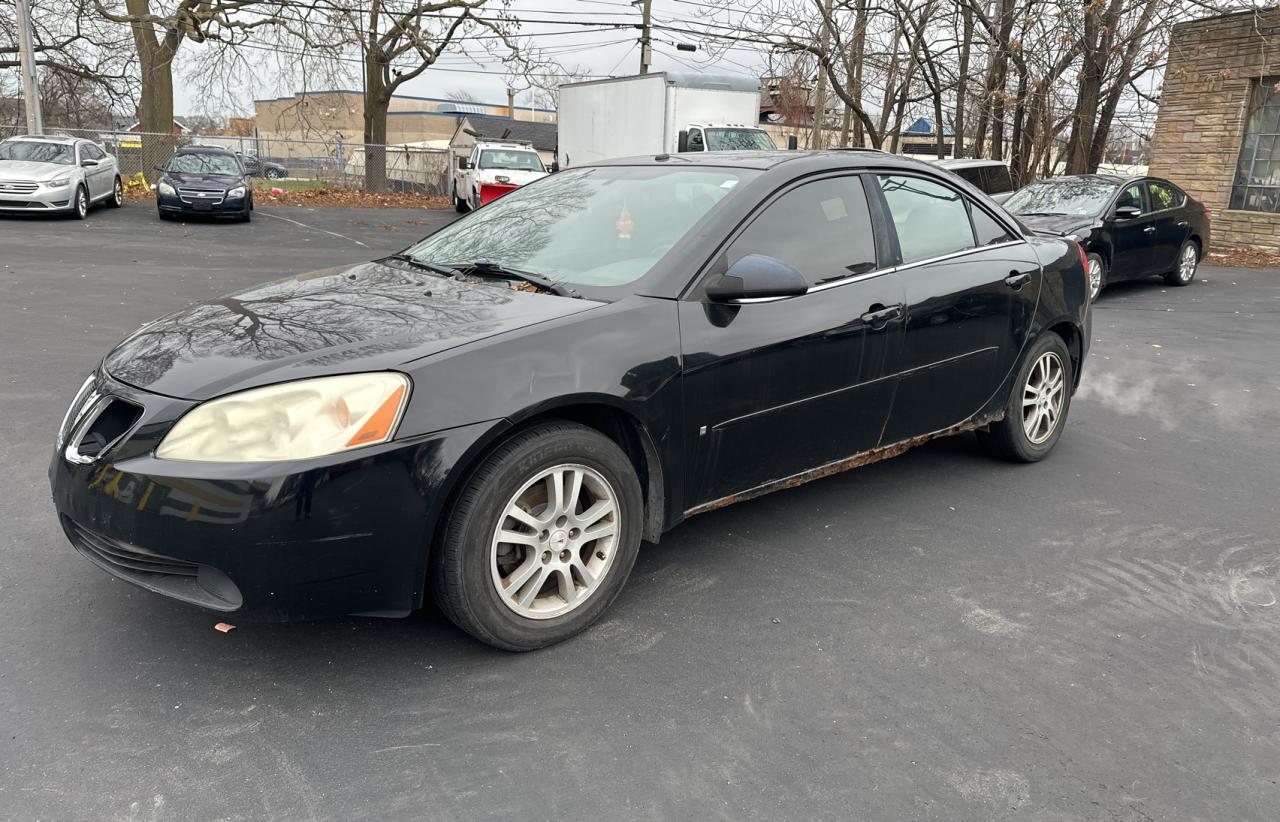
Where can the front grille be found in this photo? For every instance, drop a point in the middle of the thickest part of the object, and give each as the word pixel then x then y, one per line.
pixel 195 195
pixel 191 582
pixel 18 187
pixel 99 424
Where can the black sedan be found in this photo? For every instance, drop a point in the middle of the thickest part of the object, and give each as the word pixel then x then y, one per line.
pixel 496 418
pixel 1129 227
pixel 207 182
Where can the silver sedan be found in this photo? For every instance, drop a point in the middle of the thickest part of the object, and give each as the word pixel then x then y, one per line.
pixel 59 174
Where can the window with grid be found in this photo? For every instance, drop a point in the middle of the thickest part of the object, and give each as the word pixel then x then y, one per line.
pixel 1257 182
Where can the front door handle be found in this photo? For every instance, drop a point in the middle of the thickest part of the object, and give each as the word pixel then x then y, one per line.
pixel 1150 229
pixel 1017 279
pixel 878 316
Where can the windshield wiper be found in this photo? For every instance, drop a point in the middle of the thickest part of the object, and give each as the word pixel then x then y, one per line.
pixel 1042 214
pixel 442 270
pixel 486 268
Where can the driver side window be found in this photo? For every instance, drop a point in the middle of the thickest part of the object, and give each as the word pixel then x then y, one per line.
pixel 1132 197
pixel 695 140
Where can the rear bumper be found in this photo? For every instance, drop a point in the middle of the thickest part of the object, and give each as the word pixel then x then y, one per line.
pixel 263 541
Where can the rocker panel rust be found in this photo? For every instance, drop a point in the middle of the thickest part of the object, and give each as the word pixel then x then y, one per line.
pixel 840 466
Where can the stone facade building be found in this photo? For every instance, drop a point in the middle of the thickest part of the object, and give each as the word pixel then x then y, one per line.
pixel 1218 131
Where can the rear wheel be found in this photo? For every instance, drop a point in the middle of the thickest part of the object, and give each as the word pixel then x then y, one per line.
pixel 541 539
pixel 117 195
pixel 1037 408
pixel 274 174
pixel 1188 261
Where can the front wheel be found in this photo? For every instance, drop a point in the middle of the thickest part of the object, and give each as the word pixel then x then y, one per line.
pixel 274 174
pixel 1188 261
pixel 459 205
pixel 1037 408
pixel 541 539
pixel 117 195
pixel 1097 275
pixel 80 203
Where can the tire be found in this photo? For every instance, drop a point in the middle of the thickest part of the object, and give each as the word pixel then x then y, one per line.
pixel 473 569
pixel 459 205
pixel 274 174
pixel 117 195
pixel 80 203
pixel 1010 438
pixel 1098 277
pixel 1187 263
pixel 246 217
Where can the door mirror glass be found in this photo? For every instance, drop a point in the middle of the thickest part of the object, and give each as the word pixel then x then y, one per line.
pixel 464 164
pixel 1127 212
pixel 756 276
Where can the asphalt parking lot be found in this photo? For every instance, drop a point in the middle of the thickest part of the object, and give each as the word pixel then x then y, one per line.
pixel 940 636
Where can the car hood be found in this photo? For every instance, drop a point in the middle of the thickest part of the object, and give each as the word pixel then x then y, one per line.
pixel 31 170
pixel 367 317
pixel 1058 223
pixel 207 180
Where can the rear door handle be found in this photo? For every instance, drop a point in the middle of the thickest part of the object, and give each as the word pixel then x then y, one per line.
pixel 1017 279
pixel 878 316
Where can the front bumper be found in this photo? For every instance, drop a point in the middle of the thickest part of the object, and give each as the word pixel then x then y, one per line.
pixel 210 206
pixel 41 198
pixel 264 541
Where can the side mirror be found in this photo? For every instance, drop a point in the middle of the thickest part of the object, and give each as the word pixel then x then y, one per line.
pixel 756 276
pixel 88 163
pixel 793 142
pixel 1127 212
pixel 160 169
pixel 464 164
pixel 682 141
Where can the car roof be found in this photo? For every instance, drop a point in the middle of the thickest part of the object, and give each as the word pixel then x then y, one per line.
pixel 60 139
pixel 967 162
pixel 762 160
pixel 203 150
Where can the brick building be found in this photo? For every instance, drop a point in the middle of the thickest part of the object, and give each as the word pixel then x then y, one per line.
pixel 1218 131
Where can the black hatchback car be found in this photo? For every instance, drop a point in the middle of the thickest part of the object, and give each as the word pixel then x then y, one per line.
pixel 1130 227
pixel 204 181
pixel 495 418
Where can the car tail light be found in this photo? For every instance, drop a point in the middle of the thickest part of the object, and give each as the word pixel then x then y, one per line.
pixel 1084 265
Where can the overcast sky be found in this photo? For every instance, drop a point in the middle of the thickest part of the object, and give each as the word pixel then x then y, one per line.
pixel 611 51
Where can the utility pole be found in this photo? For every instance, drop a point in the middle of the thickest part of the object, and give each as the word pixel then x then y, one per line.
pixel 27 63
pixel 820 96
pixel 646 35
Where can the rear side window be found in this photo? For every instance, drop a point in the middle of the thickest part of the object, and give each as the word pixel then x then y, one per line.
pixel 971 175
pixel 931 219
pixel 822 229
pixel 1164 196
pixel 996 180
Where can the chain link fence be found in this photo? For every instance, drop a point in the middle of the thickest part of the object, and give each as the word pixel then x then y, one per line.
pixel 295 163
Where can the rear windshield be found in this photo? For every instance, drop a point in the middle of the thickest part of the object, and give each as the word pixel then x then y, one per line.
pixel 32 151
pixel 511 160
pixel 738 139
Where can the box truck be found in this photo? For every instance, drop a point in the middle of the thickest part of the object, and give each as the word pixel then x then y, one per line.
pixel 660 113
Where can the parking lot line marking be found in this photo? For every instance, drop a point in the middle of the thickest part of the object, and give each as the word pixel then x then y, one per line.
pixel 313 228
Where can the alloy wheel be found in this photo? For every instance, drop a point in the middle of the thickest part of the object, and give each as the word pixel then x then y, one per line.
pixel 555 541
pixel 1187 263
pixel 1095 278
pixel 1042 398
pixel 117 193
pixel 82 203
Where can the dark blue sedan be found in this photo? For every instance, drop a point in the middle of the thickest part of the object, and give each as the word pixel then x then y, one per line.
pixel 204 181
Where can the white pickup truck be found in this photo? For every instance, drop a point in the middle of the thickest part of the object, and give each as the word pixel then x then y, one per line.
pixel 491 170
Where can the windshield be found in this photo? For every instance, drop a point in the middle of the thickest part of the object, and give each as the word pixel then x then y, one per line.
pixel 738 139
pixel 1077 197
pixel 603 226
pixel 204 164
pixel 512 160
pixel 30 150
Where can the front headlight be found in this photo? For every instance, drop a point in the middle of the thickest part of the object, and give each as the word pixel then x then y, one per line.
pixel 235 193
pixel 59 182
pixel 291 421
pixel 166 189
